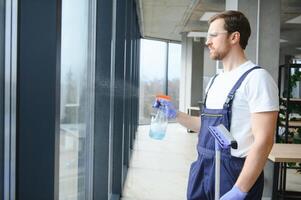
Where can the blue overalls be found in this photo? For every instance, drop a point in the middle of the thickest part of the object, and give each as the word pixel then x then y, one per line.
pixel 202 171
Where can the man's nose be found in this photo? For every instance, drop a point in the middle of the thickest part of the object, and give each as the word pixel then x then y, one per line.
pixel 208 42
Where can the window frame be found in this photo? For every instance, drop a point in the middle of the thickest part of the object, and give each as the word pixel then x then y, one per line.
pixel 38 99
pixel 2 82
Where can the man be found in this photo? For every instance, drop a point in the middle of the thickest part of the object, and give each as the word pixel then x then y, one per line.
pixel 244 98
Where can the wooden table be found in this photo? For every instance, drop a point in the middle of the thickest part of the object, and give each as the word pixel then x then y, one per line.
pixel 280 155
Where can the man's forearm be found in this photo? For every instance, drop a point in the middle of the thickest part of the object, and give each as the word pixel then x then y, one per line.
pixel 253 166
pixel 190 122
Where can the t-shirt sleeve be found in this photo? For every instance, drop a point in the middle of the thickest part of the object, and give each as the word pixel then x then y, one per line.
pixel 262 92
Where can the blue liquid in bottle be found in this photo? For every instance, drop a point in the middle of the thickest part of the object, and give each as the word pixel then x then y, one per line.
pixel 158 125
pixel 157 133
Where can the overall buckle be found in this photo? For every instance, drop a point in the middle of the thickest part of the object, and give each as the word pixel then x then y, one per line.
pixel 230 97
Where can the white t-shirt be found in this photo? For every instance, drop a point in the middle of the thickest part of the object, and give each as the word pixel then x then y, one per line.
pixel 257 93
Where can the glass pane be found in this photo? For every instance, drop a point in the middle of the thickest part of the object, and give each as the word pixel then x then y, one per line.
pixel 75 105
pixel 152 76
pixel 174 69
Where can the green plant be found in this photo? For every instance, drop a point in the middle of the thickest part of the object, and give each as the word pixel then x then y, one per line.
pixel 294 135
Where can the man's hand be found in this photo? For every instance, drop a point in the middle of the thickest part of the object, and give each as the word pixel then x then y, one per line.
pixel 167 106
pixel 234 194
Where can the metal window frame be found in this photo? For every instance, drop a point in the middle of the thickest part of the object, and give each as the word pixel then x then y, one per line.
pixel 119 95
pixel 2 70
pixel 127 74
pixel 10 76
pixel 91 90
pixel 38 100
pixel 103 91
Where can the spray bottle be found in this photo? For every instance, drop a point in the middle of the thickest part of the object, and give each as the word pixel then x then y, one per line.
pixel 159 120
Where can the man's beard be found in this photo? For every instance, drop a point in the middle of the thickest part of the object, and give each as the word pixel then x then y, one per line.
pixel 221 54
pixel 218 56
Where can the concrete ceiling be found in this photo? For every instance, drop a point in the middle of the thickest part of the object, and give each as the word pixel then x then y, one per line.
pixel 291 33
pixel 167 19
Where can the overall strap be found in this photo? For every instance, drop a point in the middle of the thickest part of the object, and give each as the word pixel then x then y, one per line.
pixel 230 97
pixel 212 80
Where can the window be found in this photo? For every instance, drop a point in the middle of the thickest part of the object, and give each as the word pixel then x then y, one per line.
pixel 152 75
pixel 159 62
pixel 76 106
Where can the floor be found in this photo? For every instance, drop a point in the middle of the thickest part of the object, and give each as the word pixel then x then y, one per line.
pixel 159 168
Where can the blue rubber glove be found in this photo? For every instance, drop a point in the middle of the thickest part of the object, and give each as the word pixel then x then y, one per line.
pixel 167 106
pixel 157 104
pixel 234 194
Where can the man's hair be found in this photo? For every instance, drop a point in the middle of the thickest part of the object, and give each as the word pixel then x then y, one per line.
pixel 235 21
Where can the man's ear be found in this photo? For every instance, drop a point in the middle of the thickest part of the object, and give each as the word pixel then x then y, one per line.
pixel 235 37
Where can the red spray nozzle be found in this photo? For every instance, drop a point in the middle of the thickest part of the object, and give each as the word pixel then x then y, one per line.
pixel 162 96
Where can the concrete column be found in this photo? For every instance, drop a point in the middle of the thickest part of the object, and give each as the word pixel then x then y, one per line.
pixel 263 47
pixel 264 43
pixel 185 79
pixel 197 71
pixel 191 83
pixel 209 68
